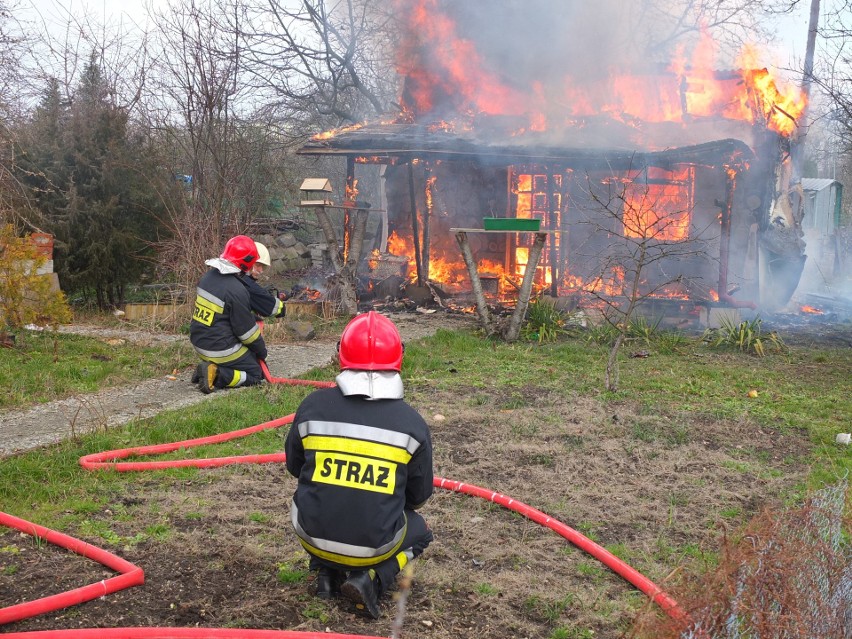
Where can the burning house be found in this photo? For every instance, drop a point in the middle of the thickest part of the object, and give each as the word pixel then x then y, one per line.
pixel 675 183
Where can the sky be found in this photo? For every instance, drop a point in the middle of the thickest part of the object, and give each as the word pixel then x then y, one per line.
pixel 793 36
pixel 125 12
pixel 790 46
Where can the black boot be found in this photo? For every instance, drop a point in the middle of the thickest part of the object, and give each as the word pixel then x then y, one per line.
pixel 207 377
pixel 362 590
pixel 196 376
pixel 328 582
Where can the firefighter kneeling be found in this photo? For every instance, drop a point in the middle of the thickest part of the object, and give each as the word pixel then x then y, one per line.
pixel 223 330
pixel 363 457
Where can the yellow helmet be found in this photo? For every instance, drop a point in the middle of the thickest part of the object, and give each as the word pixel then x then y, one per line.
pixel 263 254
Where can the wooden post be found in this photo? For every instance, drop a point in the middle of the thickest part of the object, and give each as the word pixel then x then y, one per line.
pixel 349 198
pixel 554 270
pixel 427 215
pixel 356 247
pixel 725 237
pixel 479 295
pixel 383 206
pixel 415 227
pixel 514 328
pixel 564 226
pixel 330 238
pixel 343 276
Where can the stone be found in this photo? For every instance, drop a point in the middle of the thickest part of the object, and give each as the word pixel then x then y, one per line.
pixel 303 250
pixel 301 330
pixel 286 240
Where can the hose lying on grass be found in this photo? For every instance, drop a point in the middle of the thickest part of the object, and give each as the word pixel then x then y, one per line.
pixel 132 575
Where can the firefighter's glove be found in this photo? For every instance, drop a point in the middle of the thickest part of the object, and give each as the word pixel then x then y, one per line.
pixel 282 296
pixel 260 351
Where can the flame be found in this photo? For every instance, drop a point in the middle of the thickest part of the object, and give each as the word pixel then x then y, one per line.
pixel 306 295
pixel 444 71
pixel 327 135
pixel 781 111
pixel 659 209
pixel 456 69
pixel 445 263
pixel 377 159
pixel 812 310
pixel 403 247
pixel 609 284
pixel 430 188
pixel 373 260
pixel 351 190
pixel 522 257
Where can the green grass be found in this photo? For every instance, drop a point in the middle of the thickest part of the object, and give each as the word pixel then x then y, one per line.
pixel 798 390
pixel 44 366
pixel 486 589
pixel 47 485
pixel 259 518
pixel 564 632
pixel 548 610
pixel 291 572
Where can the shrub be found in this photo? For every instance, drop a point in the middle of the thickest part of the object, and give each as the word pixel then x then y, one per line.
pixel 746 336
pixel 544 322
pixel 787 573
pixel 25 296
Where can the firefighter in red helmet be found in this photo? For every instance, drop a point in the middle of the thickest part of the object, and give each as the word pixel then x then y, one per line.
pixel 223 330
pixel 363 458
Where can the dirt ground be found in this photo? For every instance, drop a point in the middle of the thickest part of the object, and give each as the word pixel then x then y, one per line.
pixel 218 550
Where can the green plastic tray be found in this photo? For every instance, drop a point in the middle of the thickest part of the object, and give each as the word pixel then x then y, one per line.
pixel 510 224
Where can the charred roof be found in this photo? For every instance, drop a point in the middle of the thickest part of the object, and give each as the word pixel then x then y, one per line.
pixel 586 147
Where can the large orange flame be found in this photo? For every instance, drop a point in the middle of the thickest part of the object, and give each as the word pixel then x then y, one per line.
pixel 444 69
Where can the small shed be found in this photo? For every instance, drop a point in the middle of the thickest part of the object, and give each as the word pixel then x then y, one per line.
pixel 821 226
pixel 823 197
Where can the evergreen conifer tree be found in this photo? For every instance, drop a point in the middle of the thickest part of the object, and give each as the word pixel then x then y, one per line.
pixel 84 166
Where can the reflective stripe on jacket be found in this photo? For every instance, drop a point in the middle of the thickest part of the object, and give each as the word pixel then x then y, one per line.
pixel 262 301
pixel 223 327
pixel 360 463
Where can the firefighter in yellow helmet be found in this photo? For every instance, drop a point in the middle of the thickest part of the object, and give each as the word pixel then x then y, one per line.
pixel 263 303
pixel 223 330
pixel 363 457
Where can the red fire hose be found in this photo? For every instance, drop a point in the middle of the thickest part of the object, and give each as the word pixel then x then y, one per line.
pixel 106 459
pixel 97 461
pixel 291 382
pixel 130 575
pixel 133 575
pixel 180 633
pixel 657 595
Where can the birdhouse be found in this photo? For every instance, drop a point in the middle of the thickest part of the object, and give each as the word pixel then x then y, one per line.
pixel 315 192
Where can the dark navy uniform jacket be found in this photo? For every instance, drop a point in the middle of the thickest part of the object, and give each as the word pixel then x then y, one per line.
pixel 262 301
pixel 223 327
pixel 360 464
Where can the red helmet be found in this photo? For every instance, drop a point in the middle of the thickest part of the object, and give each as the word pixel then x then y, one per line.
pixel 370 342
pixel 240 251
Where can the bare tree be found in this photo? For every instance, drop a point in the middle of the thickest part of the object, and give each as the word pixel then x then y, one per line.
pixel 832 70
pixel 15 206
pixel 214 139
pixel 52 51
pixel 732 23
pixel 645 235
pixel 322 64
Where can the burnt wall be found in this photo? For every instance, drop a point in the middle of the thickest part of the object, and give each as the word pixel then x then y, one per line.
pixel 446 195
pixel 591 242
